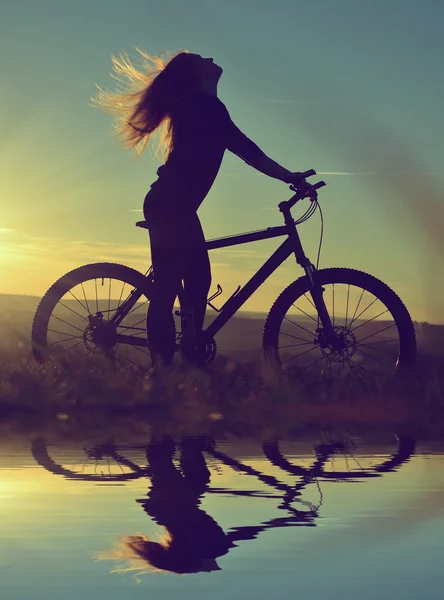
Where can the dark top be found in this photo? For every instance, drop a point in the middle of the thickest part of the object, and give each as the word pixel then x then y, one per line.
pixel 203 130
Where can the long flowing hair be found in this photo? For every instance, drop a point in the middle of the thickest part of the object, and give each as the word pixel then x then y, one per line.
pixel 140 554
pixel 146 96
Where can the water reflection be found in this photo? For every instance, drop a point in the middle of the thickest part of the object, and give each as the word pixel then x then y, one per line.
pixel 180 476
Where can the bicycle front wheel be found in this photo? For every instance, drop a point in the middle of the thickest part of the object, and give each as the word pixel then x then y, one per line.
pixel 375 326
pixel 95 310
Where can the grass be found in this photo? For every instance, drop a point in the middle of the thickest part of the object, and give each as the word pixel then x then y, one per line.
pixel 239 394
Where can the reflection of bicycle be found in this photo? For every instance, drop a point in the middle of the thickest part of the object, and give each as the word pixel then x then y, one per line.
pixel 328 320
pixel 176 491
pixel 101 462
pixel 406 448
pixel 110 462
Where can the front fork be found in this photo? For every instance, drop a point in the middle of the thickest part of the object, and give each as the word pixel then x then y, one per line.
pixel 317 294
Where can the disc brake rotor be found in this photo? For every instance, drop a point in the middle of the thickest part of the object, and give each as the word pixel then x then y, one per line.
pixel 349 346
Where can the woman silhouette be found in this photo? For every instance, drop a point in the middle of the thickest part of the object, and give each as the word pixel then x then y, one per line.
pixel 178 99
pixel 192 540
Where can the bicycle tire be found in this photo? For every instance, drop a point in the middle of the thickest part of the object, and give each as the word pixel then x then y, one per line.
pixel 351 277
pixel 406 447
pixel 40 453
pixel 63 286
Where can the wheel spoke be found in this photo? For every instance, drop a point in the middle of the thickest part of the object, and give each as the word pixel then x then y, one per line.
pixel 66 323
pixel 97 298
pixel 73 311
pixel 294 345
pixel 63 333
pixel 382 342
pixel 301 354
pixel 370 320
pixel 136 307
pixel 120 297
pixel 311 302
pixel 127 359
pixel 369 356
pixel 71 347
pixel 86 301
pixel 371 346
pixel 133 326
pixel 138 332
pixel 297 325
pixel 146 352
pixel 376 333
pixel 73 337
pixel 357 307
pixel 333 305
pixel 362 312
pixel 306 314
pixel 314 363
pixel 80 302
pixel 294 336
pixel 346 310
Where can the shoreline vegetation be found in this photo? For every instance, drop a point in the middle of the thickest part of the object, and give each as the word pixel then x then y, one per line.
pixel 239 394
pixel 236 396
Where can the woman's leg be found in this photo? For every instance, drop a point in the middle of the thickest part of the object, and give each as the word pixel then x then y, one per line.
pixel 178 252
pixel 167 283
pixel 196 277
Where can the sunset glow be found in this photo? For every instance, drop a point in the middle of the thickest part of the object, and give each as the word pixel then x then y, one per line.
pixel 69 191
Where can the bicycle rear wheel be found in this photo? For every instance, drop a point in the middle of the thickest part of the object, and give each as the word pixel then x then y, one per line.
pixel 103 462
pixel 95 310
pixel 374 324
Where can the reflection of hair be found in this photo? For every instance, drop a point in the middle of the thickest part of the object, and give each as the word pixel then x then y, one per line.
pixel 143 102
pixel 144 555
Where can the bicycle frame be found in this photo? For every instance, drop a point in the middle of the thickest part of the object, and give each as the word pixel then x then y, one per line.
pixel 291 245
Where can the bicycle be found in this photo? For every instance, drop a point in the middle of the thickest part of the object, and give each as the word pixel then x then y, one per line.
pixel 327 321
pixel 111 462
pixel 182 474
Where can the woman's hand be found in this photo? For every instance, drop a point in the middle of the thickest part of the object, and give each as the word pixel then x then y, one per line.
pixel 294 178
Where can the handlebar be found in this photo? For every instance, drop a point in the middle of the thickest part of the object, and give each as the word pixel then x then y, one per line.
pixel 309 173
pixel 306 174
pixel 305 190
pixel 319 184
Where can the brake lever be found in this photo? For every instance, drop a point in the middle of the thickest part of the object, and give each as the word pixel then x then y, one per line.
pixel 306 190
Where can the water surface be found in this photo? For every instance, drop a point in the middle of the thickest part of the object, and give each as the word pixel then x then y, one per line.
pixel 325 516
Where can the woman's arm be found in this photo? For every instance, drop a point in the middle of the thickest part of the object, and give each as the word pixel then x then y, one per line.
pixel 242 146
pixel 271 168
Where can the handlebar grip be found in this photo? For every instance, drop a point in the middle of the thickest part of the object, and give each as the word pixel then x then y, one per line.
pixel 309 173
pixel 319 185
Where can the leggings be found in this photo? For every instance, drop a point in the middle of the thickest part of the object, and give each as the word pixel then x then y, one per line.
pixel 179 257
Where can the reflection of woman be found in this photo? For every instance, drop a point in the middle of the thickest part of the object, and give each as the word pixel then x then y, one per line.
pixel 193 540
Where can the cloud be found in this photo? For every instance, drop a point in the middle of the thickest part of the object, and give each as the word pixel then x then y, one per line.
pixel 346 173
pixel 30 264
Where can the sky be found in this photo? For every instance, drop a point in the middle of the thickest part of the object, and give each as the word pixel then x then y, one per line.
pixel 350 88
